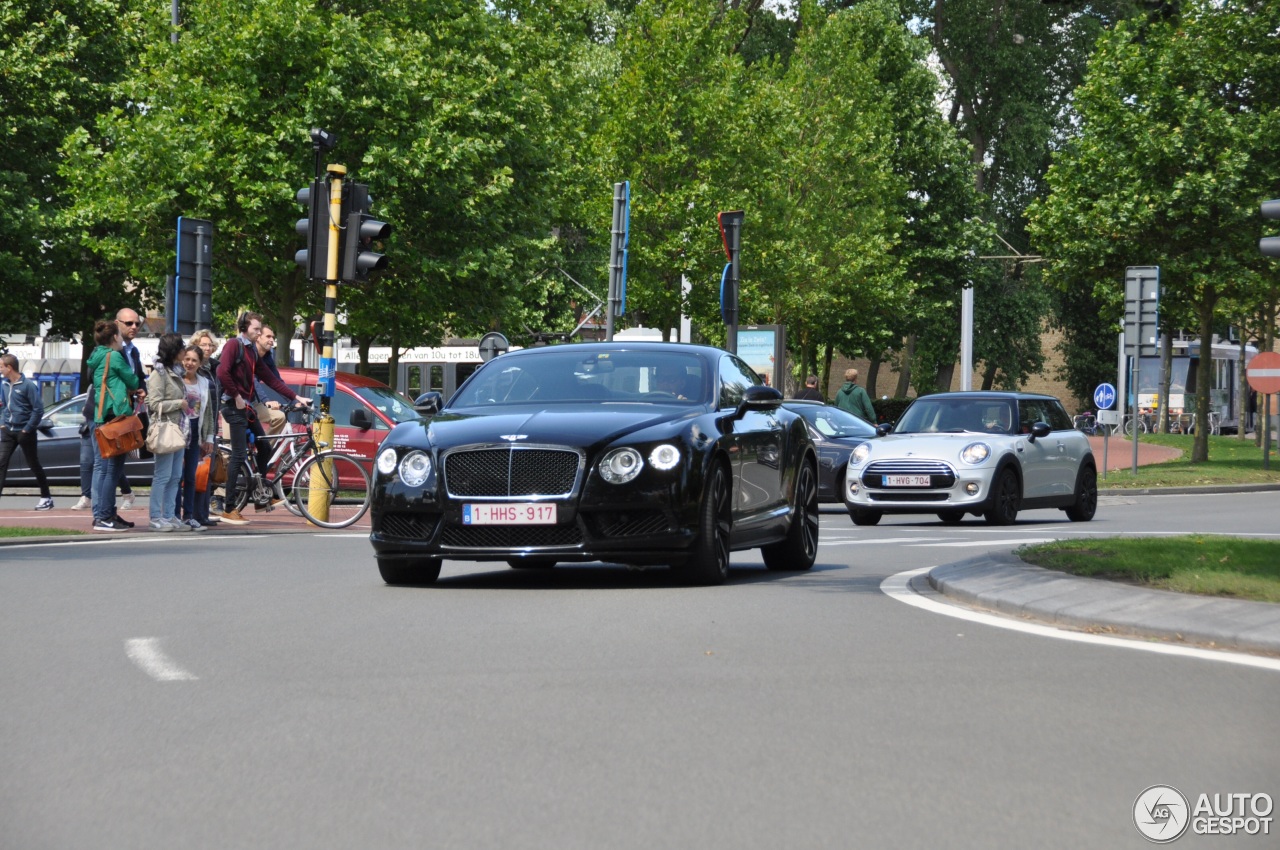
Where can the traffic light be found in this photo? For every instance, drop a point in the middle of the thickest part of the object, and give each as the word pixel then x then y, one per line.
pixel 1270 245
pixel 358 256
pixel 314 229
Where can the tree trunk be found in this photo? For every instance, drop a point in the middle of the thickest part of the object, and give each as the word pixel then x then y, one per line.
pixel 363 346
pixel 873 374
pixel 1204 376
pixel 946 374
pixel 904 374
pixel 824 380
pixel 393 362
pixel 1242 391
pixel 1166 376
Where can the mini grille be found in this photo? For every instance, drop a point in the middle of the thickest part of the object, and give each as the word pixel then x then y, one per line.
pixel 908 467
pixel 409 526
pixel 896 496
pixel 500 473
pixel 940 474
pixel 510 536
pixel 629 523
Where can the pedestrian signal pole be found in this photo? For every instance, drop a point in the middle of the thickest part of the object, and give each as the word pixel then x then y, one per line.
pixel 319 492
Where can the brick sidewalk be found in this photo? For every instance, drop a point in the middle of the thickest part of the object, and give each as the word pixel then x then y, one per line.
pixel 16 511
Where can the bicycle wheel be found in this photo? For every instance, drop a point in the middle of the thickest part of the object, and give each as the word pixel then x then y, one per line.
pixel 244 487
pixel 1131 422
pixel 332 490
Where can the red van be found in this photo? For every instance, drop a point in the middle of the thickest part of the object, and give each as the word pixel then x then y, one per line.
pixel 363 409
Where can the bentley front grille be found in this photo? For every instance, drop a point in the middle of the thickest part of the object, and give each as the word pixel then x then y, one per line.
pixel 515 472
pixel 510 536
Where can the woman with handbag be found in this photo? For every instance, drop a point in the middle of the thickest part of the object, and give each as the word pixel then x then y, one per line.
pixel 201 421
pixel 167 404
pixel 115 384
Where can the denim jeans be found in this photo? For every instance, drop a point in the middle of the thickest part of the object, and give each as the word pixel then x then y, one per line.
pixel 106 472
pixel 164 485
pixel 185 503
pixel 238 424
pixel 86 462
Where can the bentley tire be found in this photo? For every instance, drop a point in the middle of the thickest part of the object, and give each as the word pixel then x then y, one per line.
pixel 800 548
pixel 409 570
pixel 709 563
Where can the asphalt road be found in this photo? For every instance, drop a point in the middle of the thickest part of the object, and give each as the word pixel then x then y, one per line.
pixel 271 692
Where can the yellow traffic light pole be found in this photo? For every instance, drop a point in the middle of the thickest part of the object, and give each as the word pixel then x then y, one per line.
pixel 318 495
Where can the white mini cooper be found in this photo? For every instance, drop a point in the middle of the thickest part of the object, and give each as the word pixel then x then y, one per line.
pixel 990 454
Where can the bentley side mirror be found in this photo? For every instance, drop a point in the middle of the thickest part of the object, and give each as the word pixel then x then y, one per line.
pixel 428 404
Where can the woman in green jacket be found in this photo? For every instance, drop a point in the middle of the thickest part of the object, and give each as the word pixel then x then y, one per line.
pixel 115 385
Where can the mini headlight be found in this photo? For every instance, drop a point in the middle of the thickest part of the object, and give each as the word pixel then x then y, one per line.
pixel 387 461
pixel 664 457
pixel 415 468
pixel 975 453
pixel 859 454
pixel 621 465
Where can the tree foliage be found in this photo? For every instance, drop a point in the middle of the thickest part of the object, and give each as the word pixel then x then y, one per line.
pixel 1179 140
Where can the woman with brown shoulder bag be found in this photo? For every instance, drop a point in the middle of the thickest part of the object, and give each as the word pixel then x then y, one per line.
pixel 116 385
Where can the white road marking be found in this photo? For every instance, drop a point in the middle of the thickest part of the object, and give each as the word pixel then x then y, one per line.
pixel 965 544
pixel 865 540
pixel 898 587
pixel 146 653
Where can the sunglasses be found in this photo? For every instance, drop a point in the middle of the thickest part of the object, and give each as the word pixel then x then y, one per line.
pixel 130 324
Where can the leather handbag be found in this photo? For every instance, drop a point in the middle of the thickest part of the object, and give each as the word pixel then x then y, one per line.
pixel 211 471
pixel 122 434
pixel 165 438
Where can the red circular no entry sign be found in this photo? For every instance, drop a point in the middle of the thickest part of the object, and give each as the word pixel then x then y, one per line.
pixel 1263 372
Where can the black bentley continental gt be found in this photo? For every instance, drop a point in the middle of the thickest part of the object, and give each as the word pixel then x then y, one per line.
pixel 635 453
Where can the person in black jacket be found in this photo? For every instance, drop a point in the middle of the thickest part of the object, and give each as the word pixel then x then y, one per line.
pixel 810 391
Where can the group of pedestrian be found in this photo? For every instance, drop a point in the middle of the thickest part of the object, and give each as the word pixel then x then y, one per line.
pixel 850 397
pixel 188 388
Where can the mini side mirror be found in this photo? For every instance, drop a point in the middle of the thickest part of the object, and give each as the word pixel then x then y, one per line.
pixel 1039 430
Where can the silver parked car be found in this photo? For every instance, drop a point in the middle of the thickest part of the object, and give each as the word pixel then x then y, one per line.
pixel 990 454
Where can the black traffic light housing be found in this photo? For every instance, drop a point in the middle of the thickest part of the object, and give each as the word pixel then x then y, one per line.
pixel 314 229
pixel 1270 245
pixel 362 230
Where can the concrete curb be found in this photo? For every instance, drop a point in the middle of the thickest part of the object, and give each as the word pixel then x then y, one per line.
pixel 1008 585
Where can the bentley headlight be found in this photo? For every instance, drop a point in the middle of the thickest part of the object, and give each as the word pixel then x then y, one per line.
pixel 859 454
pixel 387 461
pixel 621 465
pixel 664 457
pixel 975 453
pixel 415 468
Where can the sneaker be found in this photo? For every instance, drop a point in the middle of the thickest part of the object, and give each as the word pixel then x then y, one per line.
pixel 83 505
pixel 233 518
pixel 194 525
pixel 126 502
pixel 105 525
pixel 45 504
pixel 178 525
pixel 212 520
pixel 119 520
pixel 160 525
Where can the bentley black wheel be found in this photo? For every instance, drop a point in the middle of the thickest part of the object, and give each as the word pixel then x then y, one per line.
pixel 799 550
pixel 709 563
pixel 409 570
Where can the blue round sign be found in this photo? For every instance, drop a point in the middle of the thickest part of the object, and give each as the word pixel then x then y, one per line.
pixel 1104 396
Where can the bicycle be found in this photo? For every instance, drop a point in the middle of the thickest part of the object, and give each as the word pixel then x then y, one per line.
pixel 1087 422
pixel 308 477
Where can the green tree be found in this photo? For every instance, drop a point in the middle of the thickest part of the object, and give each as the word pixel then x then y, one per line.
pixel 1179 139
pixel 58 62
pixel 443 108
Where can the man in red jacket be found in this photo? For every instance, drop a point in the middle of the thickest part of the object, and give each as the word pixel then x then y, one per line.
pixel 238 366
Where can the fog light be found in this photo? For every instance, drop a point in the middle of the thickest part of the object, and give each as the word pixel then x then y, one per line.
pixel 971 488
